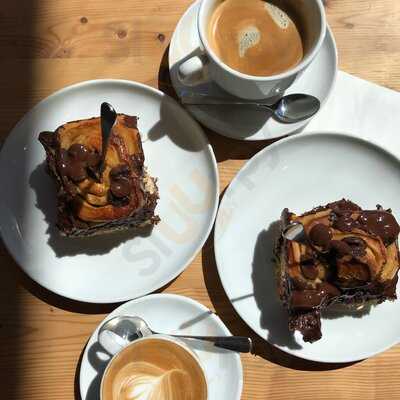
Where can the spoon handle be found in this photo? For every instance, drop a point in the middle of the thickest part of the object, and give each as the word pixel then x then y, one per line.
pixel 107 121
pixel 241 344
pixel 203 100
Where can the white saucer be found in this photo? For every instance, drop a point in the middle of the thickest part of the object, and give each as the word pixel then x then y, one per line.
pixel 244 123
pixel 116 267
pixel 300 173
pixel 170 313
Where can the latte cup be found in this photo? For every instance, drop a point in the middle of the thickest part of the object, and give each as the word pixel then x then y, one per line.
pixel 203 64
pixel 154 367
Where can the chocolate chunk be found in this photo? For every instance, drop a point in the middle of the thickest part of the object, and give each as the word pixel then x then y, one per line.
pixel 309 270
pixel 121 187
pixel 357 245
pixel 78 152
pixel 345 223
pixel 93 159
pixel 340 248
pixel 343 206
pixel 329 290
pixel 305 299
pixel 320 235
pixel 309 324
pixel 308 299
pixel 380 223
pixel 77 171
pixel 120 170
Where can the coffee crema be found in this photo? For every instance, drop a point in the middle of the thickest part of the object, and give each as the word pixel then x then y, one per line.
pixel 255 37
pixel 154 369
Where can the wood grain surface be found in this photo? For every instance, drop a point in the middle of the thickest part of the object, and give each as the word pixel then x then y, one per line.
pixel 48 44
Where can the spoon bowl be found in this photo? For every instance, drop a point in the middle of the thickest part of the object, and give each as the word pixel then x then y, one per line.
pixel 296 107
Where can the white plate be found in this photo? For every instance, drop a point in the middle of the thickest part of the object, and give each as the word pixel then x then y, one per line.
pixel 299 173
pixel 170 313
pixel 244 123
pixel 114 267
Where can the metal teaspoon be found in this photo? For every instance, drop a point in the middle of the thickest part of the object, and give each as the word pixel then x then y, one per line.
pixel 288 109
pixel 119 331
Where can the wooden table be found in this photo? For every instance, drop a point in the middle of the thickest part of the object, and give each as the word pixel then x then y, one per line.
pixel 48 44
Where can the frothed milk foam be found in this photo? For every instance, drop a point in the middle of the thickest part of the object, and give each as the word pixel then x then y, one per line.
pixel 255 37
pixel 154 370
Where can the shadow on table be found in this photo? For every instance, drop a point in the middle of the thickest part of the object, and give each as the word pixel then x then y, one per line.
pixel 224 148
pixel 19 45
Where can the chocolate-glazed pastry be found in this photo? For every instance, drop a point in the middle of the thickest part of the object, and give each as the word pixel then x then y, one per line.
pixel 124 197
pixel 350 257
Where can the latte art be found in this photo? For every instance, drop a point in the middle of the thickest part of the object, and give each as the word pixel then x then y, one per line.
pixel 144 381
pixel 154 368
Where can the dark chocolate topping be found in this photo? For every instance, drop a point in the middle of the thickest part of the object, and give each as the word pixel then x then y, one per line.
pixel 380 223
pixel 309 270
pixel 320 235
pixel 120 170
pixel 356 244
pixel 78 152
pixel 307 299
pixel 93 159
pixel 340 248
pixel 342 206
pixel 77 171
pixel 309 324
pixel 344 222
pixel 121 187
pixel 73 163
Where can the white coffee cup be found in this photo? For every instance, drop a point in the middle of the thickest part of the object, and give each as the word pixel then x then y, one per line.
pixel 177 342
pixel 203 64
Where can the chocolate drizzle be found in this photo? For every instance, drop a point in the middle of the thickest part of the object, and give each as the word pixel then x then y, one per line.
pixel 121 185
pixel 380 223
pixel 340 248
pixel 306 299
pixel 320 235
pixel 73 163
pixel 357 246
pixel 309 270
pixel 346 216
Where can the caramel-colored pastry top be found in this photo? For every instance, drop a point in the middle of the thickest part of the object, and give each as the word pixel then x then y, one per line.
pixel 347 249
pixel 119 192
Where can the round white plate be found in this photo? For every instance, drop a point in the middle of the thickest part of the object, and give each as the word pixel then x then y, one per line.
pixel 300 173
pixel 245 123
pixel 115 267
pixel 170 313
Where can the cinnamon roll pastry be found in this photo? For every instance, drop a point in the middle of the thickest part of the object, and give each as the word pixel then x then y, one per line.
pixel 348 256
pixel 89 202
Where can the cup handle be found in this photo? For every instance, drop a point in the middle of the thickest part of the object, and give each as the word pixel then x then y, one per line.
pixel 193 69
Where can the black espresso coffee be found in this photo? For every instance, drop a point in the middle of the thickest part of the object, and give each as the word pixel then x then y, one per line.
pixel 255 37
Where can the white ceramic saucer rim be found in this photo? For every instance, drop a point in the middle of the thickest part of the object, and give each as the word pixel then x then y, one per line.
pixel 162 296
pixel 213 164
pixel 339 135
pixel 299 126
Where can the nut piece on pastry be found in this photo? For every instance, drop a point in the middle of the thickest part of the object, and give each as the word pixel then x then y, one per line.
pixel 349 256
pixel 125 196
